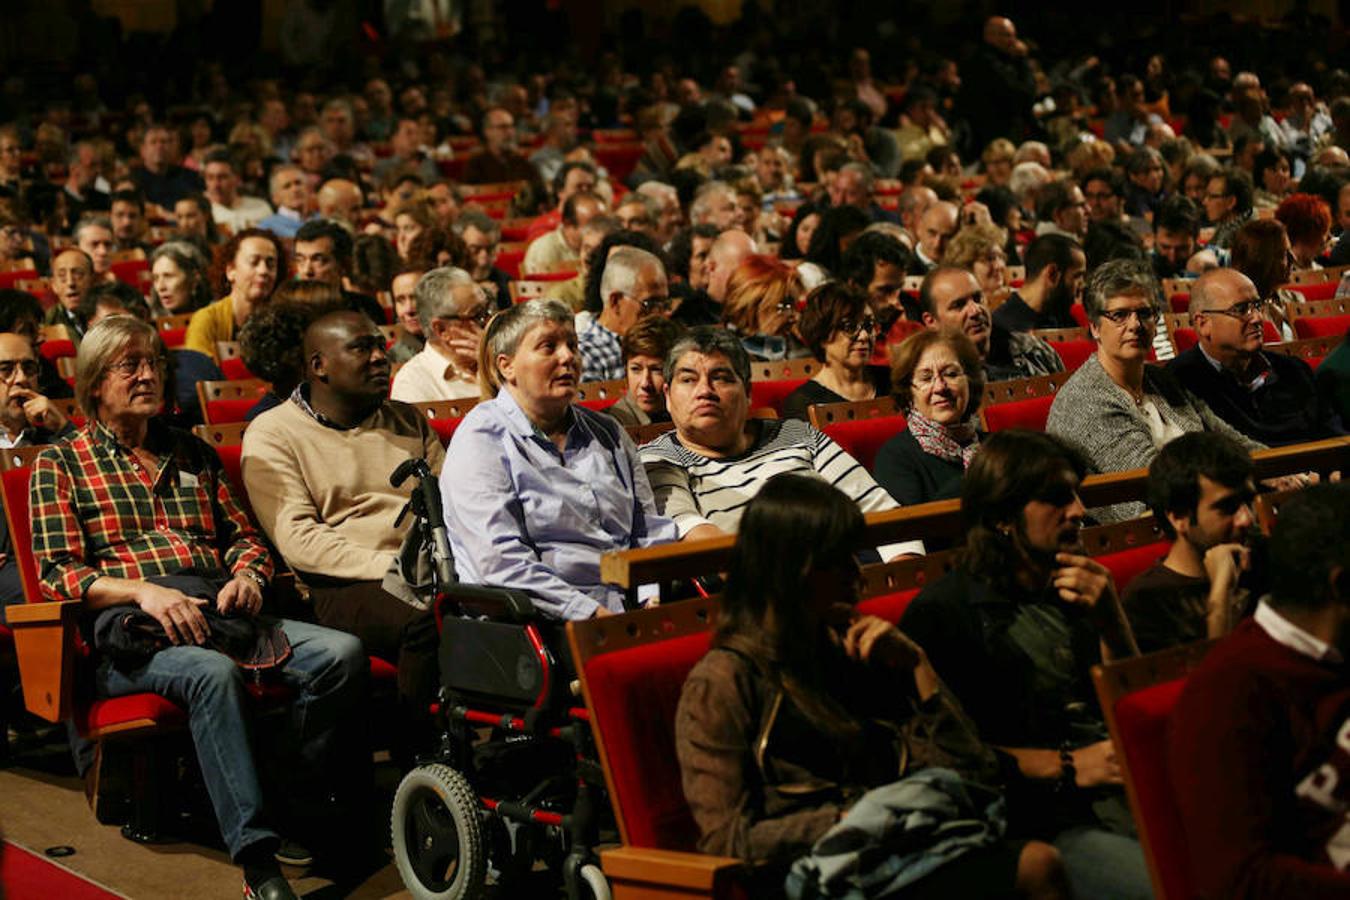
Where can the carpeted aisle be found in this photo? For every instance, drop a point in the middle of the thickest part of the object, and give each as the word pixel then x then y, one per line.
pixel 25 875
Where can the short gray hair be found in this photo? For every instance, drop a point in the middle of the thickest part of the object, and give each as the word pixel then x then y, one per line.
pixel 90 222
pixel 1119 277
pixel 864 172
pixel 505 332
pixel 650 204
pixel 622 269
pixel 707 340
pixel 101 345
pixel 1027 178
pixel 277 172
pixel 703 199
pixel 436 295
pixel 472 218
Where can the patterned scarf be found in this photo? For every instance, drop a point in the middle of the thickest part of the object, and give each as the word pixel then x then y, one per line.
pixel 954 443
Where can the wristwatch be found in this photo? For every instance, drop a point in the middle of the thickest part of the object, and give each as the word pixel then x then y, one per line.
pixel 1068 773
pixel 254 576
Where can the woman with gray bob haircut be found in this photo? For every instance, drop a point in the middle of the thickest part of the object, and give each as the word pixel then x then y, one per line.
pixel 537 487
pixel 181 285
pixel 1117 409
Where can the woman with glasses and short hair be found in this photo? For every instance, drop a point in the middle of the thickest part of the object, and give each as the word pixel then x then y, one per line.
pixel 938 381
pixel 1117 409
pixel 841 332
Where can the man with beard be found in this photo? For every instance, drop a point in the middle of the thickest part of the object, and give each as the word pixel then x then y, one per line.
pixel 1014 630
pixel 952 301
pixel 1270 397
pixel 1176 229
pixel 1200 488
pixel 1055 267
pixel 1257 748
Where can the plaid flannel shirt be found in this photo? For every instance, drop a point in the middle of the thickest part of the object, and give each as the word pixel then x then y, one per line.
pixel 601 353
pixel 97 511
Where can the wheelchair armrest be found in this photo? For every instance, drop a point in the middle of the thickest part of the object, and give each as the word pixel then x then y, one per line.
pixel 650 873
pixel 44 642
pixel 500 604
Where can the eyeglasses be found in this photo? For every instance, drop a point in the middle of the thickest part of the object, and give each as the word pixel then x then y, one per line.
pixel 132 365
pixel 480 318
pixel 1216 196
pixel 868 325
pixel 949 374
pixel 29 368
pixel 786 307
pixel 1245 310
pixel 1120 317
pixel 655 304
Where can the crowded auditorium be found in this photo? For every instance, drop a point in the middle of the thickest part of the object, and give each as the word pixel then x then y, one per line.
pixel 462 450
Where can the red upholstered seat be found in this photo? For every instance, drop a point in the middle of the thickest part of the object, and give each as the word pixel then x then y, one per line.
pixel 1074 353
pixel 150 709
pixel 231 458
pixel 173 337
pixel 129 271
pixel 600 403
pixel 633 695
pixel 771 394
pixel 1185 339
pixel 1141 718
pixel 1031 413
pixel 9 279
pixel 234 369
pixel 1269 333
pixel 1079 314
pixel 221 412
pixel 509 262
pixel 1179 302
pixel 862 439
pixel 890 607
pixel 445 428
pixel 1322 290
pixel 1322 326
pixel 550 276
pixel 54 350
pixel 1126 564
pixel 382 671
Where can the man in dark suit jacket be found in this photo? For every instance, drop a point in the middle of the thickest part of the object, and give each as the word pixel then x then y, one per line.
pixel 1269 397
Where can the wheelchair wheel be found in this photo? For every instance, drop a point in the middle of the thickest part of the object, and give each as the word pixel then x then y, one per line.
pixel 437 834
pixel 595 881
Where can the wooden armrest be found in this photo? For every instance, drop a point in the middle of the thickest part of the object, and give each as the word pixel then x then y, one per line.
pixel 649 873
pixel 44 642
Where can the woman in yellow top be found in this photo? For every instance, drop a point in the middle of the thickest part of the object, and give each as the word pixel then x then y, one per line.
pixel 255 263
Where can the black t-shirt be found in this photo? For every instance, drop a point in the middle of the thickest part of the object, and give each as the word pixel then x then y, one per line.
pixel 1166 608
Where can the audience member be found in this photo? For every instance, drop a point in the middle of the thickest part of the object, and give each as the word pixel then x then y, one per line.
pixel 482 236
pixel 537 487
pixel 1014 631
pixel 952 301
pixel 936 227
pixel 1263 711
pixel 1200 489
pixel 644 356
pixel 839 329
pixel 323 252
pixel 1115 409
pixel 72 277
pixel 452 310
pixel 94 235
pixel 562 245
pixel 254 263
pixel 93 508
pixel 228 206
pixel 979 249
pixel 411 340
pixel 1261 251
pixel 317 472
pixel 162 181
pixel 293 198
pixel 938 382
pixel 705 471
pixel 633 287
pixel 1055 269
pixel 1269 397
pixel 761 307
pixel 179 282
pixel 1176 228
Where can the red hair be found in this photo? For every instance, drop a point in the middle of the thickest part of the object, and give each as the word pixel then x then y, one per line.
pixel 1306 217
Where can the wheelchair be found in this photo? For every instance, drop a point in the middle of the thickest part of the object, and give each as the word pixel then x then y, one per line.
pixel 514 780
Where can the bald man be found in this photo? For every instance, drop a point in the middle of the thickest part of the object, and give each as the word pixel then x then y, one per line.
pixel 936 227
pixel 340 199
pixel 317 473
pixel 72 277
pixel 998 85
pixel 730 248
pixel 1269 397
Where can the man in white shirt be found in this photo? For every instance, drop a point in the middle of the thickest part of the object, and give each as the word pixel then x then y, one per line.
pixel 228 206
pixel 453 309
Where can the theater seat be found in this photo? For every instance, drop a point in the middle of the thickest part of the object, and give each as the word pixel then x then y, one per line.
pixel 445 428
pixel 1141 718
pixel 771 394
pixel 133 711
pixel 890 607
pixel 1074 353
pixel 1185 339
pixel 1321 290
pixel 1322 326
pixel 1126 564
pixel 862 439
pixel 1031 414
pixel 382 671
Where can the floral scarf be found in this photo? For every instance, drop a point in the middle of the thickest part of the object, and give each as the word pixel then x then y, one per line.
pixel 954 443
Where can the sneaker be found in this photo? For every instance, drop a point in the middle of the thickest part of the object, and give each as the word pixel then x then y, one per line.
pixel 274 888
pixel 292 854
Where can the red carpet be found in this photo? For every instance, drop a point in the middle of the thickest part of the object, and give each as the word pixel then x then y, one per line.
pixel 30 876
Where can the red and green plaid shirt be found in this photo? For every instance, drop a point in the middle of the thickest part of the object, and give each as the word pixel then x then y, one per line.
pixel 98 511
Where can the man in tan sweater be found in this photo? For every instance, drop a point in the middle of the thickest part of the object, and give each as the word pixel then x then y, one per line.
pixel 317 472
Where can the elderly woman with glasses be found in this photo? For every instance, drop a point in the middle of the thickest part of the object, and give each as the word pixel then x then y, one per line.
pixel 1116 408
pixel 839 328
pixel 938 381
pixel 761 307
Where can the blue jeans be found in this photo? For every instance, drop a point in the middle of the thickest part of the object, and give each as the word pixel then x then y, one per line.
pixel 328 670
pixel 1103 864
